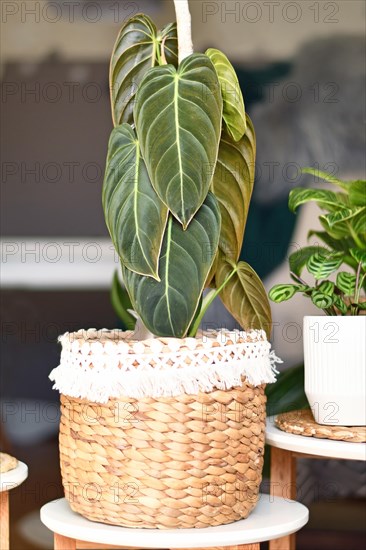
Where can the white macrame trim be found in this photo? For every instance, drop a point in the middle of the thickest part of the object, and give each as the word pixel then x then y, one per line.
pixel 99 365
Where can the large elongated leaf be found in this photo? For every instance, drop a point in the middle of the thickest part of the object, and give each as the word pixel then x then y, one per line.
pixel 178 120
pixel 357 193
pixel 245 296
pixel 232 185
pixel 325 199
pixel 233 102
pixel 135 215
pixel 168 307
pixel 136 50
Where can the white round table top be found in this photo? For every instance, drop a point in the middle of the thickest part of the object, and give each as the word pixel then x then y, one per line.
pixel 273 517
pixel 313 445
pixel 13 478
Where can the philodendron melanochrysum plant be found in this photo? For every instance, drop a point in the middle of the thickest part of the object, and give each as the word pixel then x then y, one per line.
pixel 343 244
pixel 178 182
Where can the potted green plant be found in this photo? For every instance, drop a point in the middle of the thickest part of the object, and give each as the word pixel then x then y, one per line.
pixel 334 344
pixel 164 426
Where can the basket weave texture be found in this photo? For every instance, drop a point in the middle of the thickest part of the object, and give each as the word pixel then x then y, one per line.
pixel 168 462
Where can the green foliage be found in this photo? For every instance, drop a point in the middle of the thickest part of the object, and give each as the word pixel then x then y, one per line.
pixel 137 49
pixel 178 116
pixel 135 215
pixel 178 183
pixel 232 184
pixel 244 296
pixel 344 235
pixel 121 303
pixel 168 306
pixel 233 103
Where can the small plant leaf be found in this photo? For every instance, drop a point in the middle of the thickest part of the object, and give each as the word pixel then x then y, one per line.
pixel 281 293
pixel 326 199
pixel 340 305
pixel 232 185
pixel 357 193
pixel 342 215
pixel 298 259
pixel 134 214
pixel 134 53
pixel 178 116
pixel 121 303
pixel 321 300
pixel 346 282
pixel 326 287
pixel 167 307
pixel 336 244
pixel 233 103
pixel 322 265
pixel 359 256
pixel 245 296
pixel 318 174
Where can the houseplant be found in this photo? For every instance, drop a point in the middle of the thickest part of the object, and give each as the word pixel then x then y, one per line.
pixel 334 344
pixel 174 432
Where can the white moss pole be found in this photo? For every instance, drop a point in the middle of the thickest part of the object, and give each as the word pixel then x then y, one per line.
pixel 184 29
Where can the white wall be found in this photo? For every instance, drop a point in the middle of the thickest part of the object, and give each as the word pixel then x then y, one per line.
pixel 246 30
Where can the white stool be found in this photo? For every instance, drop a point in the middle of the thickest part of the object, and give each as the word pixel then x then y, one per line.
pixel 9 480
pixel 286 448
pixel 273 517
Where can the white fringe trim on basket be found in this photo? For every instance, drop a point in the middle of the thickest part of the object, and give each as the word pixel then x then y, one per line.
pixel 99 365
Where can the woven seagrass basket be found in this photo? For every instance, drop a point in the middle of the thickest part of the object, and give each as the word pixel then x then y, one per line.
pixel 175 461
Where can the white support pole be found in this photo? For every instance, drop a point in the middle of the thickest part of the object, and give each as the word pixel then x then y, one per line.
pixel 185 45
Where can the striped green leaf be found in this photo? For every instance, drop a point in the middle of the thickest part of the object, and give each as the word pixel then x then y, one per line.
pixel 134 214
pixel 340 305
pixel 178 117
pixel 322 265
pixel 245 296
pixel 168 306
pixel 326 287
pixel 325 199
pixel 357 193
pixel 344 214
pixel 283 292
pixel 346 282
pixel 233 102
pixel 360 256
pixel 232 185
pixel 299 259
pixel 321 300
pixel 136 50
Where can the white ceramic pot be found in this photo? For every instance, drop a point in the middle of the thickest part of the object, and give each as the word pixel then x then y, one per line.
pixel 335 369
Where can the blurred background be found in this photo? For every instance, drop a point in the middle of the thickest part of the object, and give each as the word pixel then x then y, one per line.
pixel 301 66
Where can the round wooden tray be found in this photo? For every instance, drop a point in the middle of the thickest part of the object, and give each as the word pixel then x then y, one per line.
pixel 302 423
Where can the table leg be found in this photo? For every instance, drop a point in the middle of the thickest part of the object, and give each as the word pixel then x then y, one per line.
pixel 283 484
pixel 64 543
pixel 4 520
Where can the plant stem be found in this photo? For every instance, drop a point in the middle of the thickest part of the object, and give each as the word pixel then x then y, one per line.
pixel 184 31
pixel 298 279
pixel 355 237
pixel 207 301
